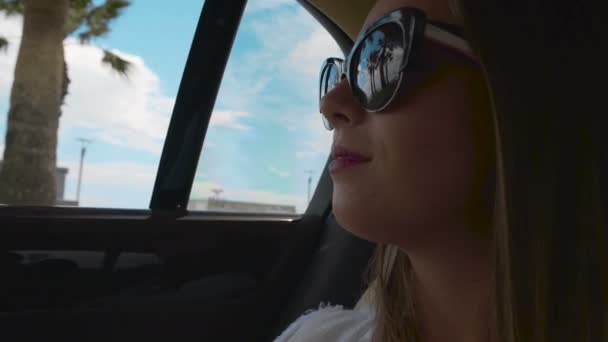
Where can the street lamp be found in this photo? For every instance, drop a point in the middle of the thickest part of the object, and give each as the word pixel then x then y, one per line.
pixel 217 192
pixel 83 150
pixel 309 172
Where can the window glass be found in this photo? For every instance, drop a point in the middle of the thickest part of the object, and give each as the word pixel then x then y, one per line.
pixel 119 116
pixel 266 146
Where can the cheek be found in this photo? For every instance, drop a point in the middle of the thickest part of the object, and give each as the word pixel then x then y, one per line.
pixel 428 164
pixel 421 175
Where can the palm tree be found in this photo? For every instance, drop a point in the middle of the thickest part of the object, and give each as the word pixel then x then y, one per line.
pixel 39 88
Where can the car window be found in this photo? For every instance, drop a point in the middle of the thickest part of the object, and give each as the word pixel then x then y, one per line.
pixel 113 103
pixel 266 147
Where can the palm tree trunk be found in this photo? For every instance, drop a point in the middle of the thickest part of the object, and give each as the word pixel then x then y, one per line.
pixel 381 63
pixel 28 171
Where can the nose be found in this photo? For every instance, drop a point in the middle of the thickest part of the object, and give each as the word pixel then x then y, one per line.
pixel 341 108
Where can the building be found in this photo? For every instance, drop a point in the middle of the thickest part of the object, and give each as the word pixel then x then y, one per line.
pixel 60 175
pixel 216 204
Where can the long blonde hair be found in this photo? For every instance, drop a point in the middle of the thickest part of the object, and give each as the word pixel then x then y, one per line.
pixel 545 66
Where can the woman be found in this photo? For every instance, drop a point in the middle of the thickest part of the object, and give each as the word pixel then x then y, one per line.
pixel 467 145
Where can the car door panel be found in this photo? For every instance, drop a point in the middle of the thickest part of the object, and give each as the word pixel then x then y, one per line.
pixel 159 277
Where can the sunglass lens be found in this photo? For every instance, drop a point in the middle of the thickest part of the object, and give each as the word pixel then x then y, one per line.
pixel 378 62
pixel 333 78
pixel 329 79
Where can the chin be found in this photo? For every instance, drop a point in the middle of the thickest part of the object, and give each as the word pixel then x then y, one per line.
pixel 364 223
pixel 374 222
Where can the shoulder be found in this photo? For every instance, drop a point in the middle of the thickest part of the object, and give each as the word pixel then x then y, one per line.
pixel 331 323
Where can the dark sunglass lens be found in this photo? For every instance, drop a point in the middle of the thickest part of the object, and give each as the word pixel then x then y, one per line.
pixel 378 61
pixel 329 79
pixel 323 82
pixel 333 78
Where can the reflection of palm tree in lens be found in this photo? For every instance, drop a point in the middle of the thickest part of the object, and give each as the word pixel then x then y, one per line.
pixel 372 60
pixel 388 58
pixel 382 61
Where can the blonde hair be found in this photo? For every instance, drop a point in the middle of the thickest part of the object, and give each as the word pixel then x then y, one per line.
pixel 390 293
pixel 549 230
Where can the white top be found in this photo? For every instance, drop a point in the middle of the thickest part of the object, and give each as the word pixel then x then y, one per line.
pixel 331 323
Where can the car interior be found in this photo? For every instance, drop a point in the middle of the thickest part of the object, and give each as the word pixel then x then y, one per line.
pixel 75 274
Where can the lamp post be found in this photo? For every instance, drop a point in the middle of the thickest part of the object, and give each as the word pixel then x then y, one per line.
pixel 83 150
pixel 217 192
pixel 309 172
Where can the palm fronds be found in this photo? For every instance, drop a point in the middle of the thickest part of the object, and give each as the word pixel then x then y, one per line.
pixel 96 22
pixel 3 44
pixel 118 64
pixel 11 7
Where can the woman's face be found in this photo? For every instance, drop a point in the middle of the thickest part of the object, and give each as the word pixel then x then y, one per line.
pixel 427 168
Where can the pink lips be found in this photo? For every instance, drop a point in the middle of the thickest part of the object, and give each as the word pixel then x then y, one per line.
pixel 344 158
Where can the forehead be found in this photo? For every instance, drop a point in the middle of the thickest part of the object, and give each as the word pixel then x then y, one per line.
pixel 438 10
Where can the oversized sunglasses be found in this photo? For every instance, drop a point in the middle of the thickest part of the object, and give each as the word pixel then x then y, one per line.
pixel 389 55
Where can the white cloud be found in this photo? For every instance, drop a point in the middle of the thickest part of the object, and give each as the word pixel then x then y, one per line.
pixel 322 139
pixel 304 42
pixel 257 5
pixel 229 119
pixel 112 184
pixel 126 111
pixel 305 154
pixel 292 46
pixel 307 55
pixel 131 175
pixel 278 172
pixel 202 190
pixel 316 141
pixel 208 143
pixel 242 85
pixel 10 28
pixel 277 31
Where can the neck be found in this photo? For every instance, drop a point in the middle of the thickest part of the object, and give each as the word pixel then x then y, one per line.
pixel 453 287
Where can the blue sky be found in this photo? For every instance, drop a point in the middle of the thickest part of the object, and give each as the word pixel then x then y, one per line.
pixel 265 132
